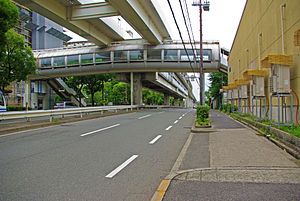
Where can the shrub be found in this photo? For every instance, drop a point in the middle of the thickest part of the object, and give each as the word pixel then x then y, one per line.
pixel 202 113
pixel 16 108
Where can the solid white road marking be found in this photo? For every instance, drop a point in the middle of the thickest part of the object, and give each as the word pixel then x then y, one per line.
pixel 118 169
pixel 175 122
pixel 102 129
pixel 168 128
pixel 144 116
pixel 155 139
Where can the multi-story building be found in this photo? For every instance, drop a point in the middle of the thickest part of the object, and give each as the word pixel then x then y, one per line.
pixel 39 33
pixel 267 43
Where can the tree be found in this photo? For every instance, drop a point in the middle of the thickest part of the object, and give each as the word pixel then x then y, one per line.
pixel 152 97
pixel 18 60
pixel 77 83
pixel 92 84
pixel 218 80
pixel 104 78
pixel 9 15
pixel 119 93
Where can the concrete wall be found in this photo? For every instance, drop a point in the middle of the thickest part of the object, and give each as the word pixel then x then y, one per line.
pixel 259 34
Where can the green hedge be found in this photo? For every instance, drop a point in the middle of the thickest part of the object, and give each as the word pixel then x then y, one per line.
pixel 202 113
pixel 16 108
pixel 228 108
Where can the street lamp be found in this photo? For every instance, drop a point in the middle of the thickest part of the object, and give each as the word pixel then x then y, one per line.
pixel 205 7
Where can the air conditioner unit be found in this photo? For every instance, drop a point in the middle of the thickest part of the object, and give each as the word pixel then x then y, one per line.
pixel 225 95
pixel 279 81
pixel 229 94
pixel 235 93
pixel 273 84
pixel 243 91
pixel 258 86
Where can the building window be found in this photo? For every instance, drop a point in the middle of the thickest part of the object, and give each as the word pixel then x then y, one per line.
pixel 73 60
pixel 120 55
pixel 86 58
pixel 58 61
pixel 154 55
pixel 45 62
pixel 102 57
pixel 171 55
pixel 136 55
pixel 186 55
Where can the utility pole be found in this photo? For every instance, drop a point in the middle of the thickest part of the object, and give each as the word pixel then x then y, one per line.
pixel 205 6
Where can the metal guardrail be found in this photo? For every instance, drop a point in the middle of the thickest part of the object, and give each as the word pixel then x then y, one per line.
pixel 52 113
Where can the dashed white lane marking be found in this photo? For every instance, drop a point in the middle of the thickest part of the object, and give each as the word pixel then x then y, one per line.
pixel 144 116
pixel 168 128
pixel 180 117
pixel 122 166
pixel 155 139
pixel 175 122
pixel 102 129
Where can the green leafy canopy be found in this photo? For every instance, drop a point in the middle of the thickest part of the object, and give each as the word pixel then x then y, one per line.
pixel 18 60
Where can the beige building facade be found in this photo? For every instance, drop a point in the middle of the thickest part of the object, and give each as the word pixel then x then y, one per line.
pixel 268 35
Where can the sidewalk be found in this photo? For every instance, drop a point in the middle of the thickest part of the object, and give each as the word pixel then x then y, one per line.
pixel 233 163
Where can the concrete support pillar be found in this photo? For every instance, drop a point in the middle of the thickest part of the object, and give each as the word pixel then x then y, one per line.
pixel 136 89
pixel 189 102
pixel 131 88
pixel 27 102
pixel 181 103
pixel 176 102
pixel 166 99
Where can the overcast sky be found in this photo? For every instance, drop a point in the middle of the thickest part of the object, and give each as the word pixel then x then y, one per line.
pixel 220 23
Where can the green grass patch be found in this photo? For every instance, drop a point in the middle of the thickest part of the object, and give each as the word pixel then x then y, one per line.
pixel 294 130
pixel 203 122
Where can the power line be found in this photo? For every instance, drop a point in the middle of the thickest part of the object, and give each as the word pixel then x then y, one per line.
pixel 182 40
pixel 189 19
pixel 187 29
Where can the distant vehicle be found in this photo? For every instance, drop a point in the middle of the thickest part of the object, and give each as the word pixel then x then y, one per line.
pixel 63 105
pixel 2 102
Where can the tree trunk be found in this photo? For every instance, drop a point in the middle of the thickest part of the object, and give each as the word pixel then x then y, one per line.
pixel 92 96
pixel 102 89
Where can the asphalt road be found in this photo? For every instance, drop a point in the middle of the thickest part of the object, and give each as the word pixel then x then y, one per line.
pixel 122 157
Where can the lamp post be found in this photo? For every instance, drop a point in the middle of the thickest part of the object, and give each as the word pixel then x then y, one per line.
pixel 205 7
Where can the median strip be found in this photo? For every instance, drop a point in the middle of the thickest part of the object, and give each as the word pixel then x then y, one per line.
pixel 102 129
pixel 155 139
pixel 122 166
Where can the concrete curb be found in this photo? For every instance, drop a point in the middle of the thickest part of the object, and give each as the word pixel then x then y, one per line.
pixel 202 130
pixel 240 174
